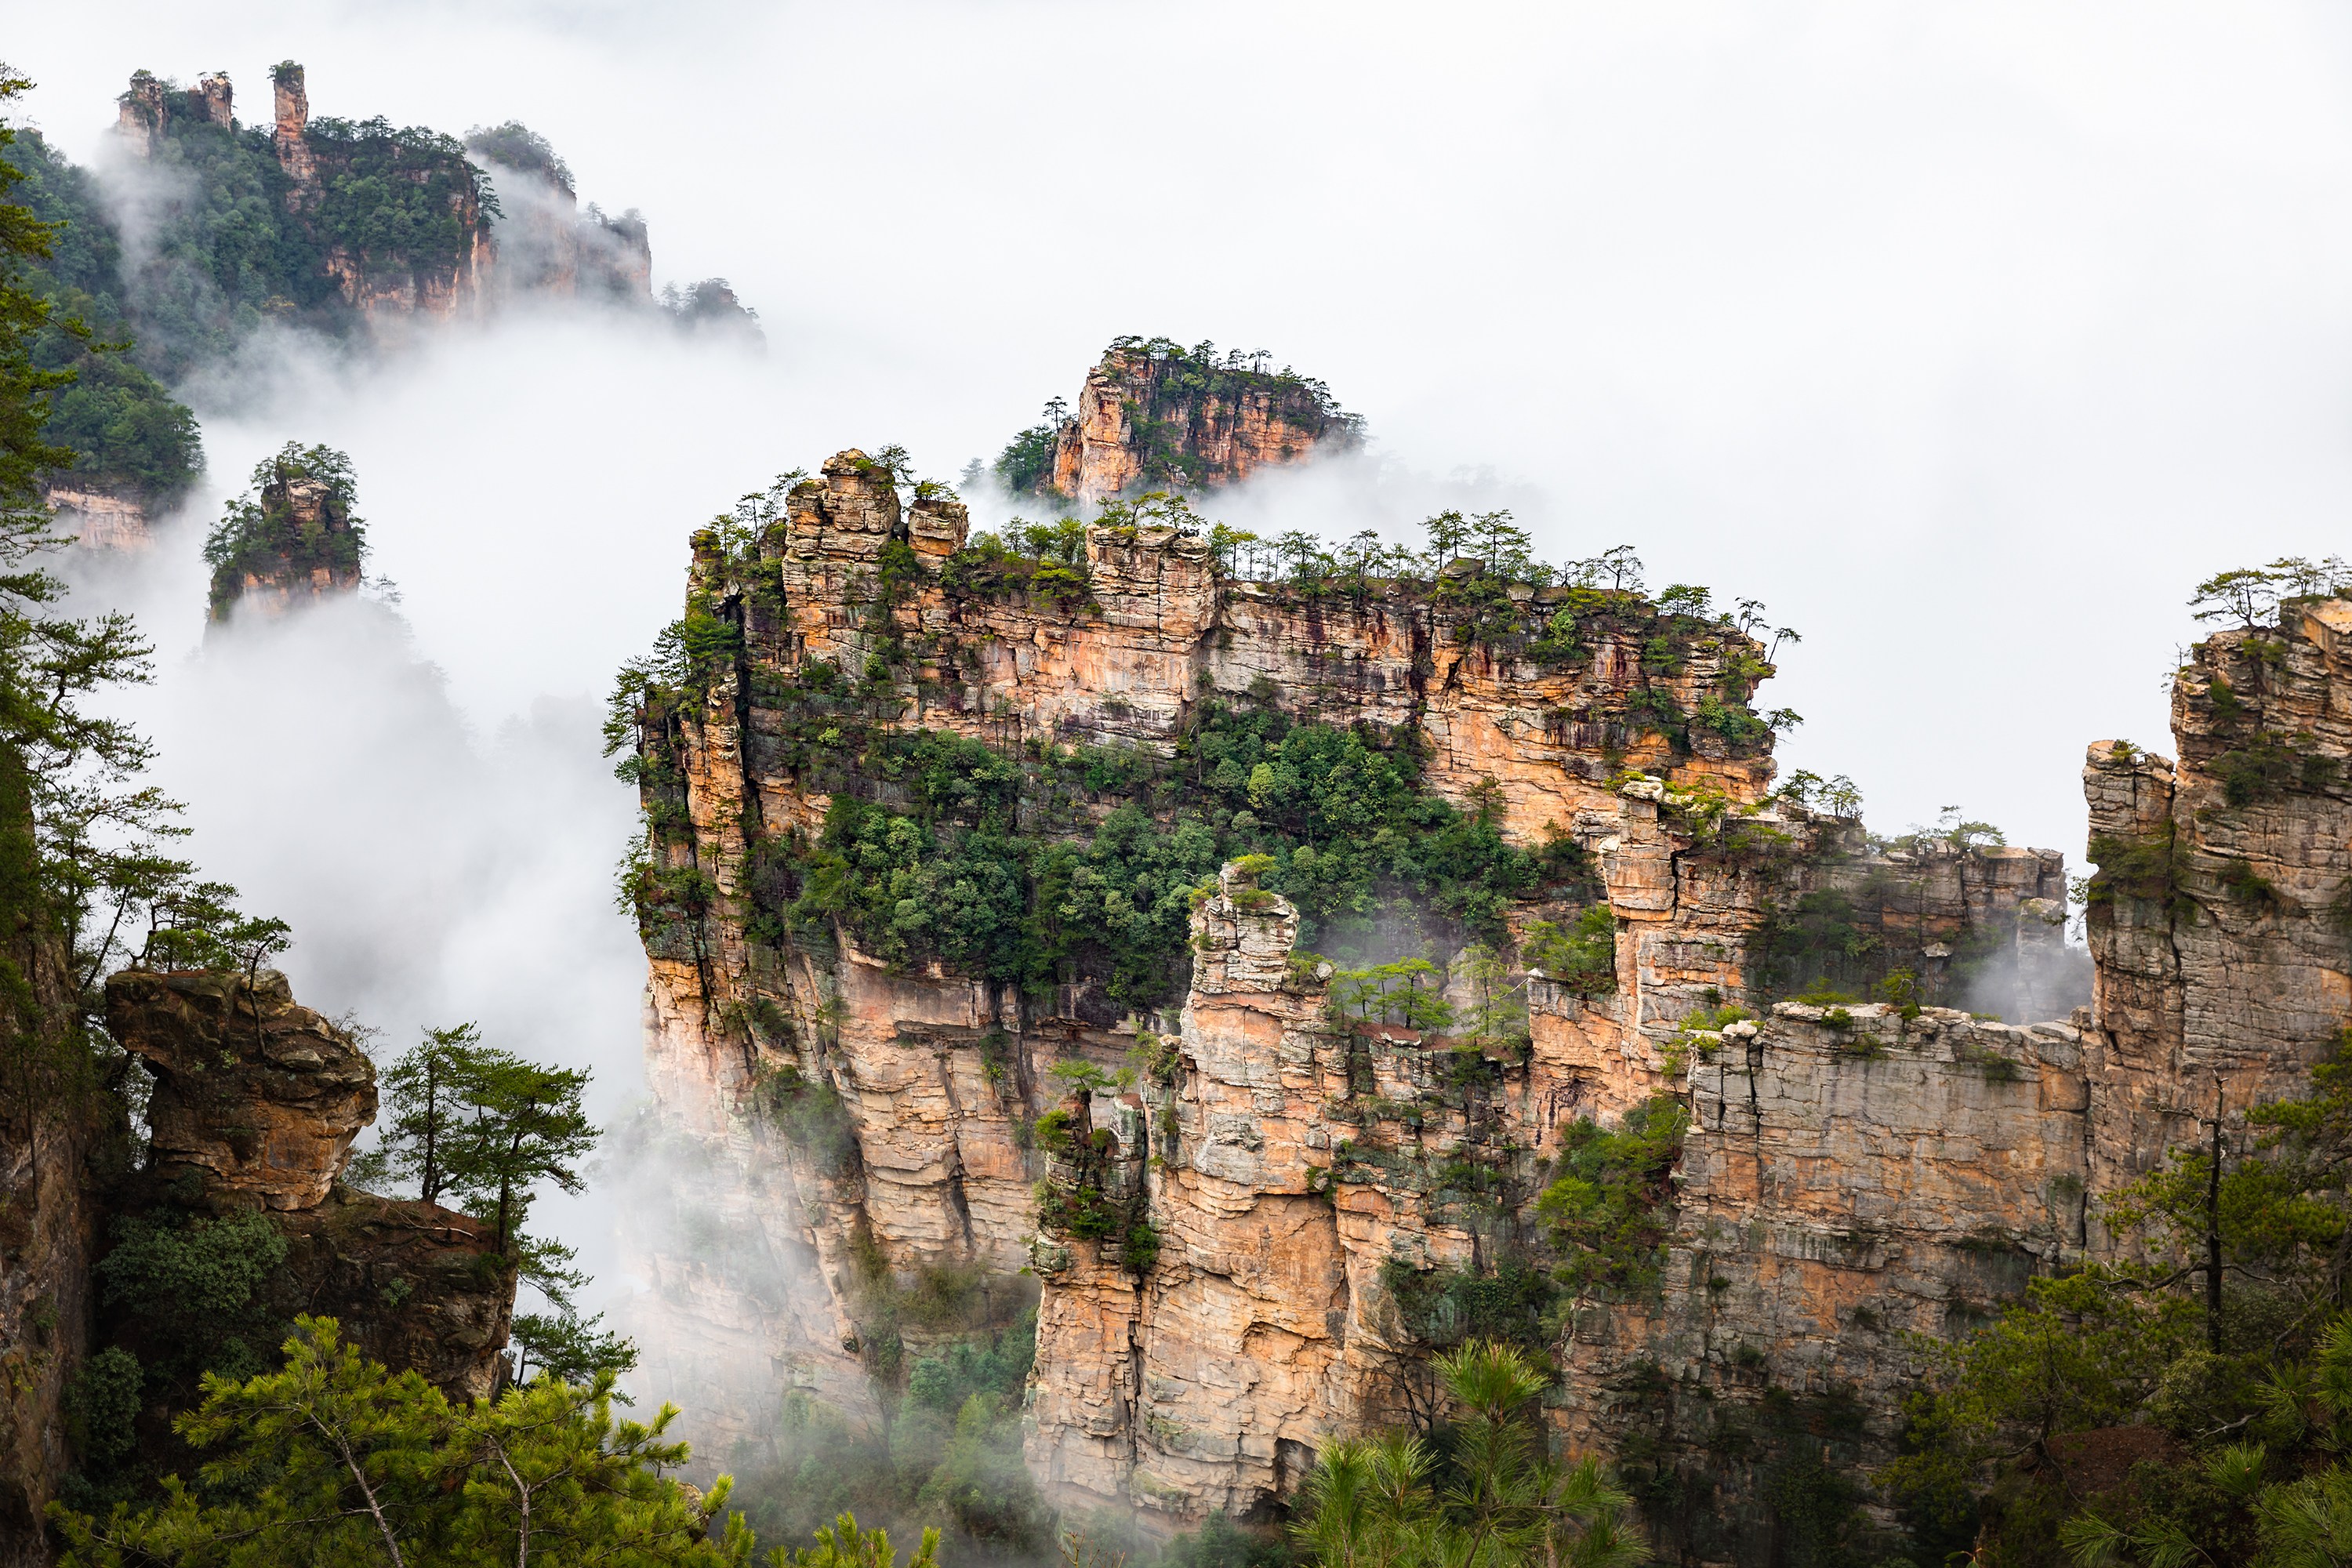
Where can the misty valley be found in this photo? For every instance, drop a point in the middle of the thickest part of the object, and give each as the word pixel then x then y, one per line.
pixel 1062 1013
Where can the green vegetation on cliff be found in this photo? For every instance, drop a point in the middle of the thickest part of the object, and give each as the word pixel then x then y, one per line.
pixel 2193 1403
pixel 1483 1488
pixel 125 431
pixel 1037 866
pixel 1170 394
pixel 234 247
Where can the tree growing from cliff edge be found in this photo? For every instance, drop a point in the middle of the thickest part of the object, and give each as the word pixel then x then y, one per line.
pixel 426 1093
pixel 482 1125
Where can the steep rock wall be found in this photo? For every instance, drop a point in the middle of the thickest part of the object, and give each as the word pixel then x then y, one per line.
pixel 96 517
pixel 57 1133
pixel 1276 1239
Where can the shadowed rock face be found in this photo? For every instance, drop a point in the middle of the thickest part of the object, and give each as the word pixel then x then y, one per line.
pixel 415 1286
pixel 58 1141
pixel 260 1096
pixel 260 1099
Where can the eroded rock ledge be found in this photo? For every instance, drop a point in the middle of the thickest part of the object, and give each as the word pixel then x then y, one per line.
pixel 1274 1202
pixel 256 1101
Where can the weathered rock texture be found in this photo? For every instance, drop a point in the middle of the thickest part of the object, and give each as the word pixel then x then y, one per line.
pixel 98 517
pixel 2221 915
pixel 1851 1177
pixel 1295 1169
pixel 1153 414
pixel 259 1096
pixel 259 1100
pixel 413 1284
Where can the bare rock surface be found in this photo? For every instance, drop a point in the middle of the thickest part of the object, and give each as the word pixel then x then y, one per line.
pixel 260 1096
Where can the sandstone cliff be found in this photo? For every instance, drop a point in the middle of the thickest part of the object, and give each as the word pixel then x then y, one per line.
pixel 97 516
pixel 2219 914
pixel 61 1135
pixel 256 1100
pixel 1154 414
pixel 1256 1241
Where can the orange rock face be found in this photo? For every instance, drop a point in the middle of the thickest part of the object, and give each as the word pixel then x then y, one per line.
pixel 1151 417
pixel 1296 1170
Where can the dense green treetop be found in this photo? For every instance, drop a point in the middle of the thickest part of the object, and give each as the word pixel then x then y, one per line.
pixel 296 520
pixel 334 1460
pixel 125 431
pixel 518 146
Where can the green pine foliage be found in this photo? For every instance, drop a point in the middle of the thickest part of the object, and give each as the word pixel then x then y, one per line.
pixel 1482 1487
pixel 1026 464
pixel 261 534
pixel 397 198
pixel 1609 1206
pixel 1580 957
pixel 331 1458
pixel 126 432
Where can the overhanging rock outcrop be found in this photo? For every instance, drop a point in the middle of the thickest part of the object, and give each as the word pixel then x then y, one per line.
pixel 256 1103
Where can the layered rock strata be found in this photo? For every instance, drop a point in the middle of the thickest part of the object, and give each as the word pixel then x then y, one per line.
pixel 2221 918
pixel 256 1100
pixel 98 517
pixel 1290 1167
pixel 1152 415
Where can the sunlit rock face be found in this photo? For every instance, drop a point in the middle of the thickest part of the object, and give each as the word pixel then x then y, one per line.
pixel 256 1104
pixel 1305 1176
pixel 259 1096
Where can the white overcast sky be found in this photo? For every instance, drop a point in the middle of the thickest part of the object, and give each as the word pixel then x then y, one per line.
pixel 1968 337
